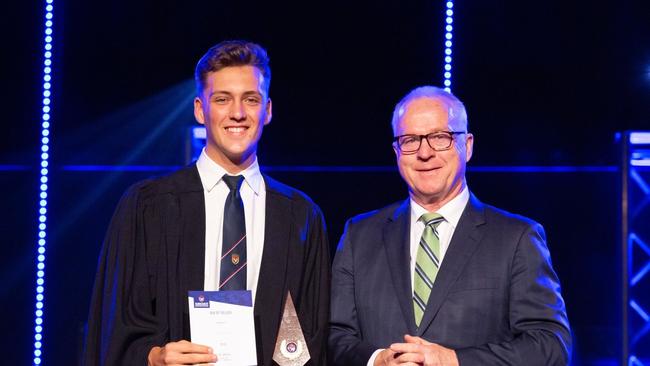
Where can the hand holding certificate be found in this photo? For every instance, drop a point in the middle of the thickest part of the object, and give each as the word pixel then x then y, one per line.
pixel 181 352
pixel 223 320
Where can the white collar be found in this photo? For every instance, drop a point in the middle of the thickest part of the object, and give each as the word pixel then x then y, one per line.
pixel 211 173
pixel 451 210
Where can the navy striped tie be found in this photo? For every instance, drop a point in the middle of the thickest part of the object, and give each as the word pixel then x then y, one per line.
pixel 233 246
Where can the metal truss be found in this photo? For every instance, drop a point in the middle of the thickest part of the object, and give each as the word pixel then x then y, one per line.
pixel 635 225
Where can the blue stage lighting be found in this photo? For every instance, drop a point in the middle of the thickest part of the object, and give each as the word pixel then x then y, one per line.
pixel 198 135
pixel 42 210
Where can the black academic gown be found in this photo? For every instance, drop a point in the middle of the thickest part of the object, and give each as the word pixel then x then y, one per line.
pixel 154 252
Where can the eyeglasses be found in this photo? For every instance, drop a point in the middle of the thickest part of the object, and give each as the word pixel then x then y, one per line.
pixel 438 141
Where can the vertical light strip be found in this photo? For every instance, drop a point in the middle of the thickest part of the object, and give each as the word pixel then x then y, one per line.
pixel 42 211
pixel 449 27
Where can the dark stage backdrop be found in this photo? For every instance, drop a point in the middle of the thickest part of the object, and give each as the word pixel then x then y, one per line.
pixel 545 84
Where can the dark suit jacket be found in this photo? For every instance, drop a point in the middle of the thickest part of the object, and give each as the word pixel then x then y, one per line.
pixel 496 299
pixel 154 252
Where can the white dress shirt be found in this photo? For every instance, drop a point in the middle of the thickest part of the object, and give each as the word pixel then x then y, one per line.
pixel 451 212
pixel 253 194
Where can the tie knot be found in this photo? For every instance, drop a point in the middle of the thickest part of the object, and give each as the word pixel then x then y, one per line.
pixel 432 219
pixel 233 182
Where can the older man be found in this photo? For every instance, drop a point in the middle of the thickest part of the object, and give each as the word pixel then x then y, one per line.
pixel 442 278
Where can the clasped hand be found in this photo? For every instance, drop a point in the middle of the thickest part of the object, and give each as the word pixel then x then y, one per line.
pixel 416 352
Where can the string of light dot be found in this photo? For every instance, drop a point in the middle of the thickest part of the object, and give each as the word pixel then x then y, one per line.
pixel 42 206
pixel 449 27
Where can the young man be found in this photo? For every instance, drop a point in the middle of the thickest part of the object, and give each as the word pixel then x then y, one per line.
pixel 175 233
pixel 441 278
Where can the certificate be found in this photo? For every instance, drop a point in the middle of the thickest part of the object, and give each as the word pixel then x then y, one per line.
pixel 223 320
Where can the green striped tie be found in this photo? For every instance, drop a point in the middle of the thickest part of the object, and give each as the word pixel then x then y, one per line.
pixel 427 263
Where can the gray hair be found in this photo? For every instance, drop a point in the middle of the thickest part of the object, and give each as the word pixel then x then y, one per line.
pixel 455 108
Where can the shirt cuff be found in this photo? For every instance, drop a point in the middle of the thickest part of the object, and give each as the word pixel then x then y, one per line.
pixel 374 355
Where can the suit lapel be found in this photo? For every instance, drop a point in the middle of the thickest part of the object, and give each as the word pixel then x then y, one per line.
pixel 272 277
pixel 464 243
pixel 396 243
pixel 192 221
pixel 184 243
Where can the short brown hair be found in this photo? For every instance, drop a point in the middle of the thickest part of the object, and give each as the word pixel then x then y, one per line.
pixel 232 53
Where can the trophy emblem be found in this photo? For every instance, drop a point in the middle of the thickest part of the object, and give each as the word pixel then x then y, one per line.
pixel 290 347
